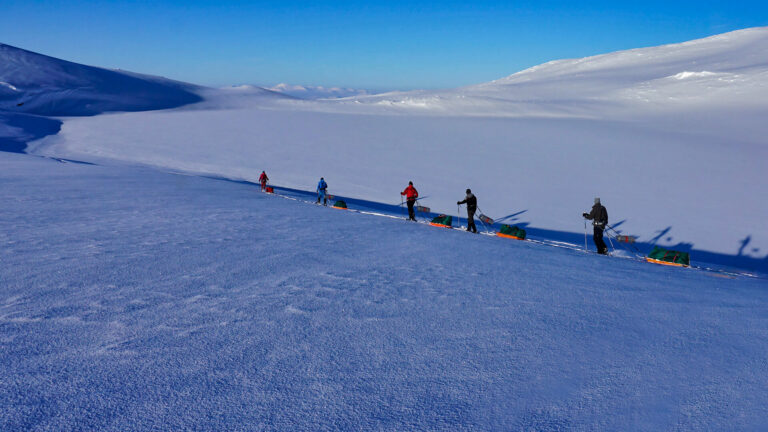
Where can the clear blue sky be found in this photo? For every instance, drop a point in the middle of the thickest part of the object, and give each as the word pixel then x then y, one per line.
pixel 380 45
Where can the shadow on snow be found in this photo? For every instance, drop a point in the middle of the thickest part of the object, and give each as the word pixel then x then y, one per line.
pixel 740 261
pixel 30 127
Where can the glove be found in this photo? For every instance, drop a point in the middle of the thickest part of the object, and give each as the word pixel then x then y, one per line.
pixel 586 215
pixel 458 202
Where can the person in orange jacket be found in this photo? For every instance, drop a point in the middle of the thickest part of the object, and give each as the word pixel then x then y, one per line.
pixel 263 179
pixel 411 194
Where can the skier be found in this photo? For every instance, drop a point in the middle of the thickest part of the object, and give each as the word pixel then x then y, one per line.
pixel 471 202
pixel 599 218
pixel 322 188
pixel 263 179
pixel 410 198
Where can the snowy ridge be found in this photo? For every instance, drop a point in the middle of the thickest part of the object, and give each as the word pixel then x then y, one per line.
pixel 629 80
pixel 48 86
pixel 735 51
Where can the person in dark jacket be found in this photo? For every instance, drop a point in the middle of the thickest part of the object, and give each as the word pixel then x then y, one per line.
pixel 322 189
pixel 599 218
pixel 263 179
pixel 471 202
pixel 411 194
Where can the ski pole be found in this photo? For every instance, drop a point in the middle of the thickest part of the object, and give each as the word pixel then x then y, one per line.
pixel 585 236
pixel 611 242
pixel 417 199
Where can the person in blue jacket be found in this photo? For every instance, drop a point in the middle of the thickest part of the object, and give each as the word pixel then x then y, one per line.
pixel 322 188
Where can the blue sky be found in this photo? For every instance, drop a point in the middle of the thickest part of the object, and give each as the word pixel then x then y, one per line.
pixel 377 45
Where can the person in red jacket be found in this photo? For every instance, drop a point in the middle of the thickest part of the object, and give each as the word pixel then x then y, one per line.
pixel 263 179
pixel 411 194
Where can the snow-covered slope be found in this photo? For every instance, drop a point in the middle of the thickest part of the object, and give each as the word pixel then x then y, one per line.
pixel 38 84
pixel 137 300
pixel 728 70
pixel 671 138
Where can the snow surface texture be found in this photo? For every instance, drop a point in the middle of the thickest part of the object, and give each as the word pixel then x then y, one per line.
pixel 137 300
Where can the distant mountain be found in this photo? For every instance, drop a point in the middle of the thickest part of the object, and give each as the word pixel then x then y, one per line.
pixel 37 84
pixel 317 92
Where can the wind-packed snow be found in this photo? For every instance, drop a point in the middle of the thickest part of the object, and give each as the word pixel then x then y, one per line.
pixel 136 300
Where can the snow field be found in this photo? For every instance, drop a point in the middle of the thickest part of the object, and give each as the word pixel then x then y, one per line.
pixel 687 189
pixel 670 137
pixel 132 299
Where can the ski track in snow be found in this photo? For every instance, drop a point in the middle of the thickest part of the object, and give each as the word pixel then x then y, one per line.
pixel 138 300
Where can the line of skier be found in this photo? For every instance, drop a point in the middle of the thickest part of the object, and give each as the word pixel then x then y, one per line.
pixel 411 195
pixel 598 215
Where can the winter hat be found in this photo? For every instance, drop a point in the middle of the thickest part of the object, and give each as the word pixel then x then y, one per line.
pixel 597 200
pixel 410 183
pixel 469 191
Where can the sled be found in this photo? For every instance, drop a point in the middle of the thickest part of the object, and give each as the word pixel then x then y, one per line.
pixel 511 232
pixel 434 224
pixel 672 264
pixel 442 221
pixel 669 257
pixel 509 236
